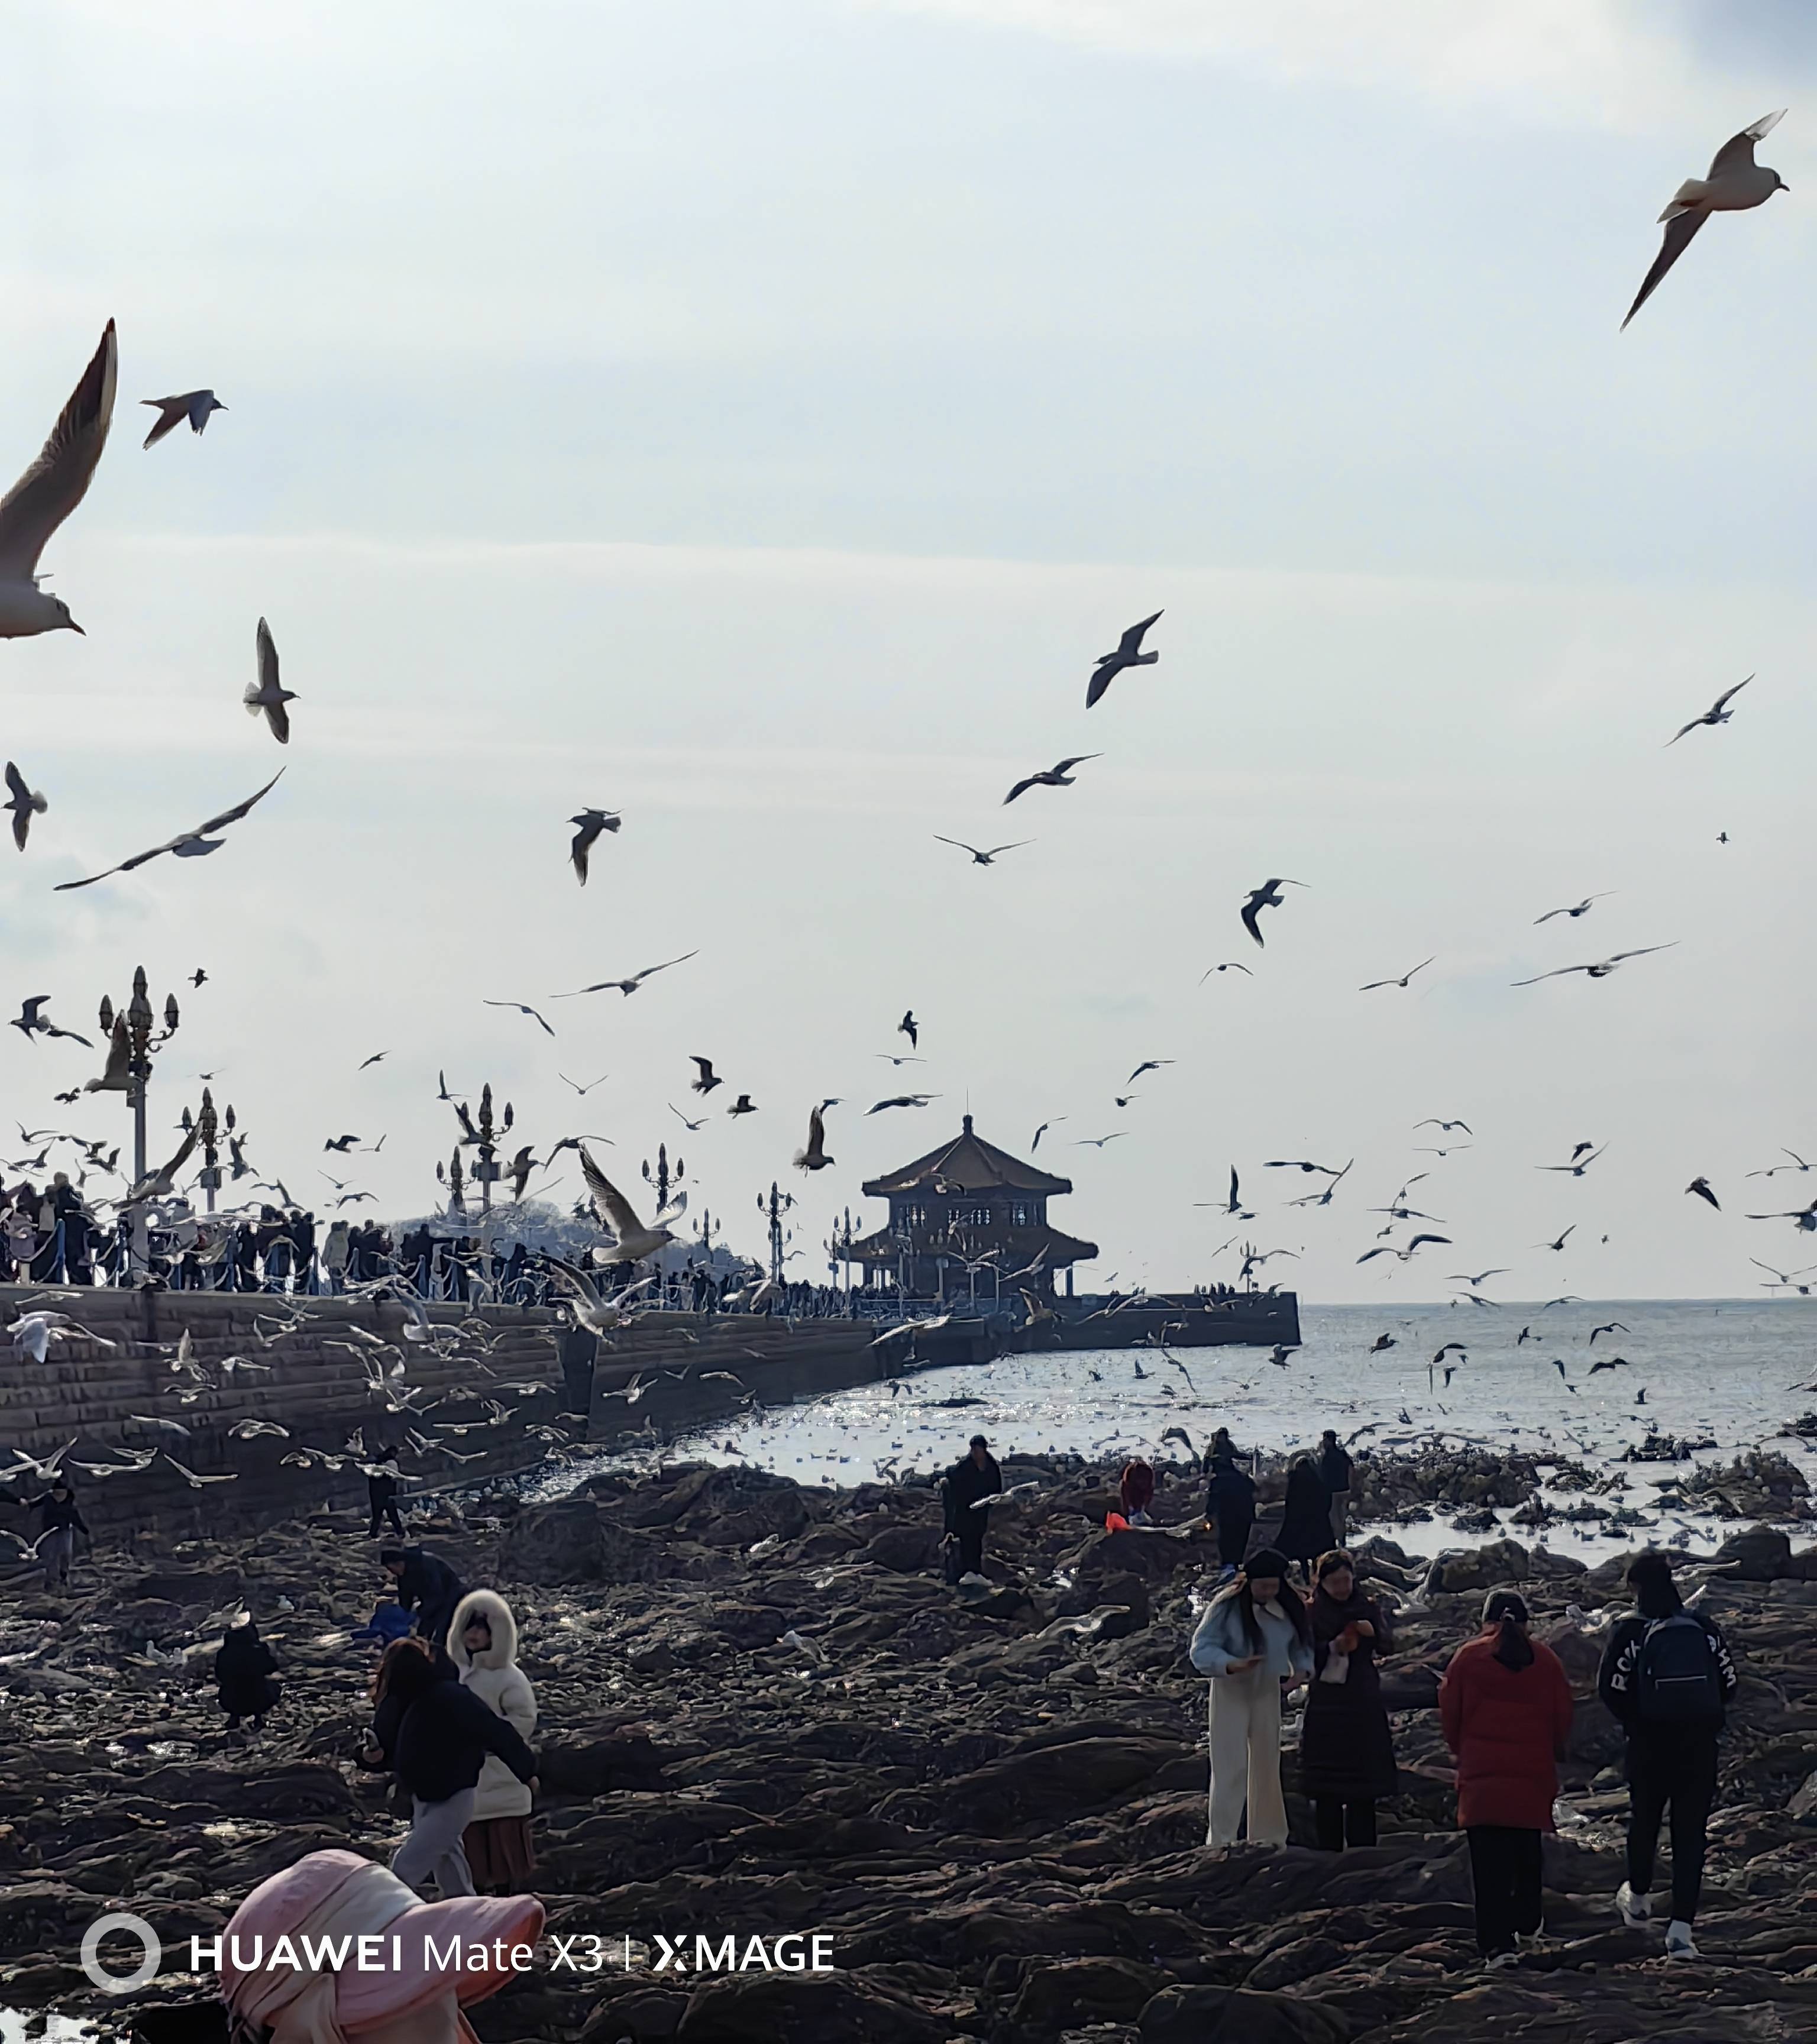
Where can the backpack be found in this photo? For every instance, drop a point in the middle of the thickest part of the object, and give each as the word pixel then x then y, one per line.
pixel 1676 1680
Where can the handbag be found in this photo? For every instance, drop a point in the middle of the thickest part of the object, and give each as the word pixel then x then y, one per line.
pixel 1337 1667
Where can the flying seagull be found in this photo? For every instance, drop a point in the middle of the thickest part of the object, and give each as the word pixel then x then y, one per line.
pixel 1600 970
pixel 1043 1129
pixel 908 1100
pixel 908 1026
pixel 47 492
pixel 1582 908
pixel 1444 1128
pixel 1230 965
pixel 631 1239
pixel 1128 653
pixel 1701 1187
pixel 744 1105
pixel 814 1157
pixel 29 1022
pixel 265 695
pixel 591 825
pixel 1148 1065
pixel 24 803
pixel 983 858
pixel 1560 1244
pixel 1806 1218
pixel 626 986
pixel 1736 182
pixel 523 1008
pixel 1404 977
pixel 1098 1142
pixel 1481 1278
pixel 1718 712
pixel 1267 896
pixel 191 844
pixel 194 405
pixel 1581 1159
pixel 708 1077
pixel 1058 776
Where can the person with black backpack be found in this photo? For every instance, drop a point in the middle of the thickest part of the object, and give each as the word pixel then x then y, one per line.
pixel 1667 1675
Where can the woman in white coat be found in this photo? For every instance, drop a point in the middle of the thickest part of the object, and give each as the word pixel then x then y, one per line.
pixel 483 1642
pixel 1255 1635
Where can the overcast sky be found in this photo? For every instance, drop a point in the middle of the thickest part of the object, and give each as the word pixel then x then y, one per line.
pixel 755 416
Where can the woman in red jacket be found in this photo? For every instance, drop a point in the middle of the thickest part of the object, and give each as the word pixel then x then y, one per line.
pixel 1505 1705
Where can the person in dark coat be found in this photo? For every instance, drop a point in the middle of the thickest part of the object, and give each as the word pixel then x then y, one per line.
pixel 382 1494
pixel 1335 1468
pixel 59 1520
pixel 1347 1748
pixel 1505 1706
pixel 975 1475
pixel 1668 1675
pixel 1306 1517
pixel 434 1733
pixel 243 1668
pixel 1229 1504
pixel 426 1585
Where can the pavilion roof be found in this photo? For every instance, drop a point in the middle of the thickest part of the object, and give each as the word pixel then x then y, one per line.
pixel 966 1164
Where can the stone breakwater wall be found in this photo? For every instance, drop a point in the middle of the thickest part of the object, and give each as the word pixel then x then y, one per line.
pixel 501 1381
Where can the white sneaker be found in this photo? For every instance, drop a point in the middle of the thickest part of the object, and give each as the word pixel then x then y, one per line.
pixel 1499 1962
pixel 1636 1910
pixel 1678 1941
pixel 1530 1940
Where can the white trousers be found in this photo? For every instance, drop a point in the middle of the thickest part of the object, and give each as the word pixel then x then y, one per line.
pixel 1245 1758
pixel 434 1846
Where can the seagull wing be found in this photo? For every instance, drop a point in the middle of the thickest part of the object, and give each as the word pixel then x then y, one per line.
pixel 16 785
pixel 172 844
pixel 997 848
pixel 1102 675
pixel 1066 766
pixel 1736 153
pixel 171 413
pixel 1250 908
pixel 59 479
pixel 1021 787
pixel 1679 232
pixel 664 967
pixel 1728 696
pixel 1641 952
pixel 575 1283
pixel 1558 972
pixel 971 848
pixel 608 1202
pixel 1130 644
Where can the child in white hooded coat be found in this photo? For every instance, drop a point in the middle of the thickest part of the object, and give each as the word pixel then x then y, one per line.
pixel 483 1642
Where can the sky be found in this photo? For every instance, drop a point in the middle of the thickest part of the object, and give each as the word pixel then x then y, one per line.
pixel 754 416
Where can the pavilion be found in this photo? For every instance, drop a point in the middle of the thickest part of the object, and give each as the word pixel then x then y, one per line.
pixel 950 1210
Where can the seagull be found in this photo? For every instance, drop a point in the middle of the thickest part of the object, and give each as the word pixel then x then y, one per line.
pixel 1444 1128
pixel 521 1167
pixel 708 1077
pixel 583 1090
pixel 1701 1187
pixel 1582 908
pixel 1380 1343
pixel 194 1480
pixel 1267 896
pixel 1610 1362
pixel 1481 1278
pixel 632 1240
pixel 1149 1065
pixel 1128 653
pixel 156 1184
pixel 1609 1328
pixel 523 1008
pixel 598 1315
pixel 1402 982
pixel 907 1099
pixel 891 1058
pixel 908 1026
pixel 629 986
pixel 1389 1249
pixel 814 1157
pixel 1058 776
pixel 1300 1164
pixel 30 1021
pixel 1559 1244
pixel 194 405
pixel 691 1127
pixel 265 694
pixel 1718 712
pixel 1735 183
pixel 1580 1163
pixel 1600 970
pixel 1230 965
pixel 1322 1198
pixel 591 824
pixel 191 844
pixel 24 803
pixel 744 1105
pixel 342 1143
pixel 1805 1217
pixel 198 977
pixel 1098 1142
pixel 376 1057
pixel 1797 1164
pixel 1042 1130
pixel 48 491
pixel 983 858
pixel 1782 1278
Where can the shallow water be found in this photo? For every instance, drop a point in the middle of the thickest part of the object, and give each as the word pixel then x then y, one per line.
pixel 1732 1372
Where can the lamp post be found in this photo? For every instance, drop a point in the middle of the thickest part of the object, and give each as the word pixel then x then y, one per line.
pixel 773 1208
pixel 131 1044
pixel 660 1179
pixel 208 1131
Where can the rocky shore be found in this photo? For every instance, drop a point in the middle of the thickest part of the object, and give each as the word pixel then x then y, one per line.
pixel 763 1712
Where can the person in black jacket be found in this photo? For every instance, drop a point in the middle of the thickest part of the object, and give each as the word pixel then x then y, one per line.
pixel 1668 1675
pixel 382 1494
pixel 1335 1468
pixel 1306 1517
pixel 434 1734
pixel 243 1671
pixel 59 1520
pixel 975 1475
pixel 425 1585
pixel 1229 1504
pixel 1346 1745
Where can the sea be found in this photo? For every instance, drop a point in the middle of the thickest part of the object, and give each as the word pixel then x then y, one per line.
pixel 1584 1381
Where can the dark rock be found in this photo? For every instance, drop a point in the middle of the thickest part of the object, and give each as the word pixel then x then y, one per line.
pixel 837 2008
pixel 1237 2016
pixel 1761 1554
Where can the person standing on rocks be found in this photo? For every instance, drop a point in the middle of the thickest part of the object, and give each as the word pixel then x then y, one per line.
pixel 974 1476
pixel 1335 1468
pixel 243 1668
pixel 1347 1747
pixel 482 1644
pixel 1229 1504
pixel 1505 1705
pixel 1254 1636
pixel 434 1735
pixel 1135 1491
pixel 1668 1675
pixel 1306 1517
pixel 59 1520
pixel 427 1585
pixel 382 1494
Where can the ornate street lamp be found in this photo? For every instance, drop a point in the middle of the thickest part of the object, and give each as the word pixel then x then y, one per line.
pixel 131 1043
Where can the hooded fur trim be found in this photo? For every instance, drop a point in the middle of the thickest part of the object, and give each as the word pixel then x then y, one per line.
pixel 490 1606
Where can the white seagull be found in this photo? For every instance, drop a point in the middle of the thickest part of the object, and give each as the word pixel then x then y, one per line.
pixel 265 696
pixel 1736 182
pixel 194 405
pixel 47 493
